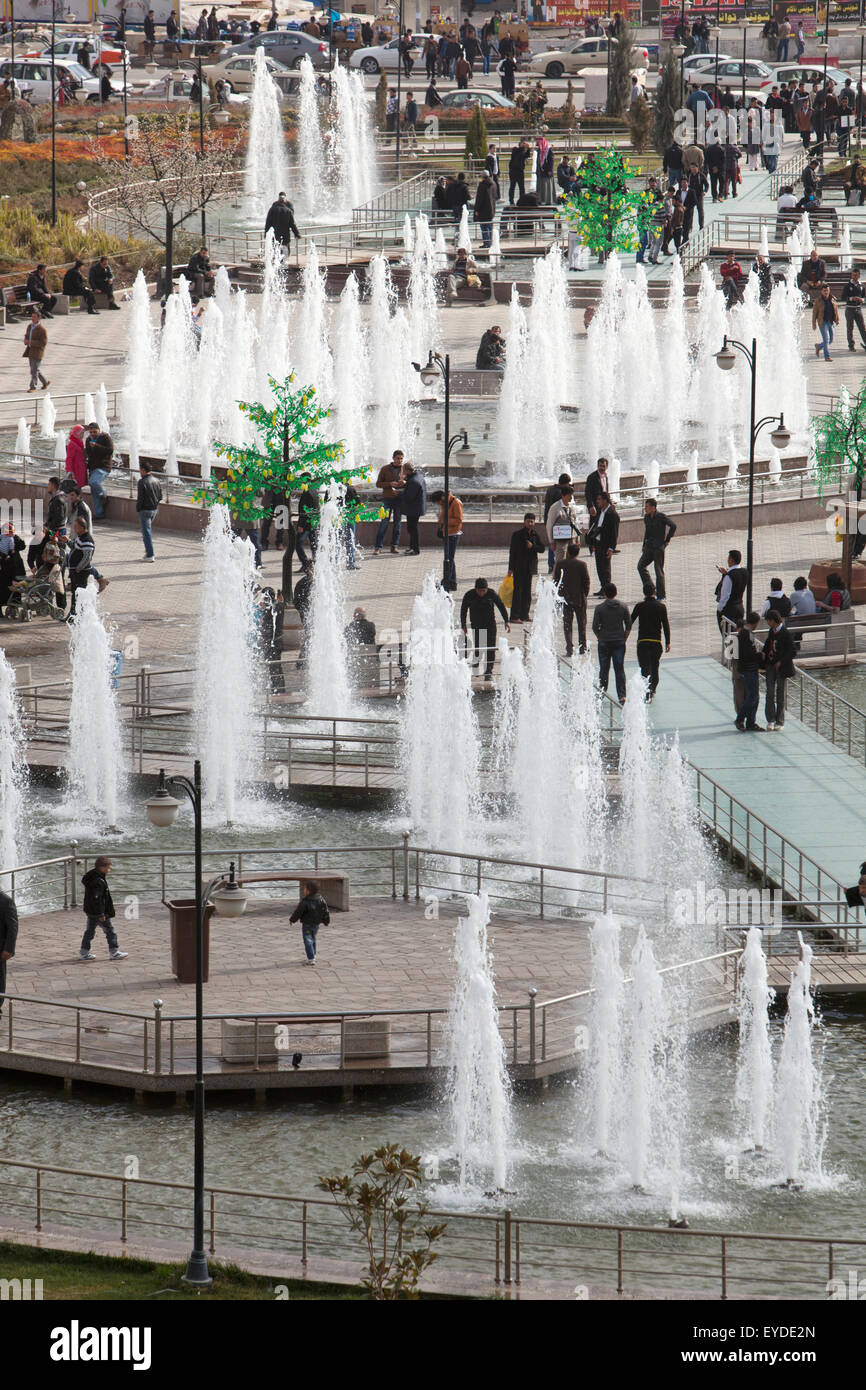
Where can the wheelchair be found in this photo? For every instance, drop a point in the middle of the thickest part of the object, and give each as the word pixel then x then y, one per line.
pixel 36 601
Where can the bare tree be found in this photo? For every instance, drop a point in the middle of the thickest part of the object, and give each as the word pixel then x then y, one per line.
pixel 167 178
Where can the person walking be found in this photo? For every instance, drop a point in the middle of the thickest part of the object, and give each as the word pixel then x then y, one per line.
pixel 611 625
pixel 35 343
pixel 730 590
pixel 485 208
pixel 651 616
pixel 749 661
pixel 79 561
pixel 825 317
pixel 390 484
pixel 312 913
pixel 778 669
pixel 571 578
pixel 523 552
pixel 410 118
pixel 413 504
pixel 479 609
pixel 852 295
pixel 8 937
pixel 452 517
pixel 147 501
pixel 98 456
pixel 507 71
pixel 658 530
pixel 562 522
pixel 281 220
pixel 604 534
pixel 99 910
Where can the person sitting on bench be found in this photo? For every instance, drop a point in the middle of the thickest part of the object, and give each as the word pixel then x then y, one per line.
pixel 75 287
pixel 38 291
pixel 731 273
pixel 102 280
pixel 491 352
pixel 464 272
pixel 199 274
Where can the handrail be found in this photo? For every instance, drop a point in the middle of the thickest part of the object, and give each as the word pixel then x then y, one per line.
pixel 502 1246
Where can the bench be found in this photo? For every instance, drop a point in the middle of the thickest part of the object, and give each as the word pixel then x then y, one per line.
pixel 333 883
pixel 15 300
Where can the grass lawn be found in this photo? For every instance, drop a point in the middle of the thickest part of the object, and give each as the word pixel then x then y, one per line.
pixel 93 1278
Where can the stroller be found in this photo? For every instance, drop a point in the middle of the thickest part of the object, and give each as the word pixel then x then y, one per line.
pixel 37 597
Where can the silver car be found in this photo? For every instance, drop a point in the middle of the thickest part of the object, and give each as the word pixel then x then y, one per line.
pixel 289 46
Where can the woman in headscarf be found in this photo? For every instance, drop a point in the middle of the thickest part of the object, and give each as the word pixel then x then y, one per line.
pixel 11 561
pixel 75 455
pixel 544 185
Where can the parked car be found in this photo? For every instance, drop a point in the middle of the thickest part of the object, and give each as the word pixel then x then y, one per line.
pixel 288 46
pixel 797 72
pixel 585 54
pixel 239 73
pixel 386 55
pixel 475 98
pixel 731 71
pixel 34 74
pixel 105 55
pixel 704 60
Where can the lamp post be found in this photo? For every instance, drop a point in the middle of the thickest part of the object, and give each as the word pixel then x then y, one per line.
pixel 201 138
pixel 679 51
pixel 743 85
pixel 53 114
pixel 858 105
pixel 780 436
pixel 229 900
pixel 399 83
pixel 434 368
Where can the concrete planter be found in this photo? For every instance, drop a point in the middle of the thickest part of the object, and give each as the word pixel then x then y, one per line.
pixel 366 1039
pixel 239 1042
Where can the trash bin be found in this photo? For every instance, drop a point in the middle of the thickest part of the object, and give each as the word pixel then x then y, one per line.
pixel 116 667
pixel 182 918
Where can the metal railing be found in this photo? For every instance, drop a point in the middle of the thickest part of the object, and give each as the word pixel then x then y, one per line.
pixel 407 196
pixel 787 174
pixel 501 1247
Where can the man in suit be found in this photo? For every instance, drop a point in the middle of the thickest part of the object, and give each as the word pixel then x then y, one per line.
pixel 594 486
pixel 8 937
pixel 604 532
pixel 748 660
pixel 523 552
pixel 571 576
pixel 778 668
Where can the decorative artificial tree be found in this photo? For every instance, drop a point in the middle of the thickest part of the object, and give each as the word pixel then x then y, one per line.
pixel 289 456
pixel 606 214
pixel 666 103
pixel 476 134
pixel 839 442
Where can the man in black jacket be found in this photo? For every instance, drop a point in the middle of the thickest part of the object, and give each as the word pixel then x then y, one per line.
pixel 38 291
pixel 730 590
pixel 75 287
pixel 281 219
pixel 53 526
pixel 102 280
pixel 778 669
pixel 147 500
pixel 611 624
pixel 199 274
pixel 594 486
pixel 312 913
pixel 523 552
pixel 98 455
pixel 517 169
pixel 479 606
pixel 604 532
pixel 651 617
pixel 748 660
pixel 658 530
pixel 571 577
pixel 8 937
pixel 99 910
pixel 852 296
pixel 715 161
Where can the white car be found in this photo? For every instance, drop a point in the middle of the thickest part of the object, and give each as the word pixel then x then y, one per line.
pixel 387 56
pixel 105 56
pixel 704 60
pixel 239 73
pixel 34 75
pixel 459 99
pixel 587 53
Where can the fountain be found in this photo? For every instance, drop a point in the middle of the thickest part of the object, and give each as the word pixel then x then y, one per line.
pixel 60 451
pixel 799 1117
pixel 754 1086
pixel 22 443
pixel 438 721
pixel 537 380
pixel 89 407
pixel 13 770
pixel 606 1059
pixel 352 386
pixel 513 399
pixel 394 384
pixel 226 727
pixel 541 748
pixel 652 474
pixel 495 252
pixel 463 241
pixel 266 171
pixel 47 417
pixel 636 769
pixel 441 250
pixel 327 664
pixel 423 310
pixel 313 361
pixel 354 148
pixel 408 238
pixel 100 406
pixel 95 757
pixel 310 144
pixel 140 360
pixel 479 1091
pixel 775 473
pixel 845 258
pixel 692 480
pixel 645 1090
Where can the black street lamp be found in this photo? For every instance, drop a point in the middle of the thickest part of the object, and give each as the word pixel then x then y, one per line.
pixel 201 138
pixel 781 436
pixel 53 114
pixel 858 105
pixel 434 368
pixel 229 900
pixel 743 87
pixel 399 82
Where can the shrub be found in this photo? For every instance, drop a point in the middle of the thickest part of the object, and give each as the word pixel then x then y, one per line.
pixel 476 134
